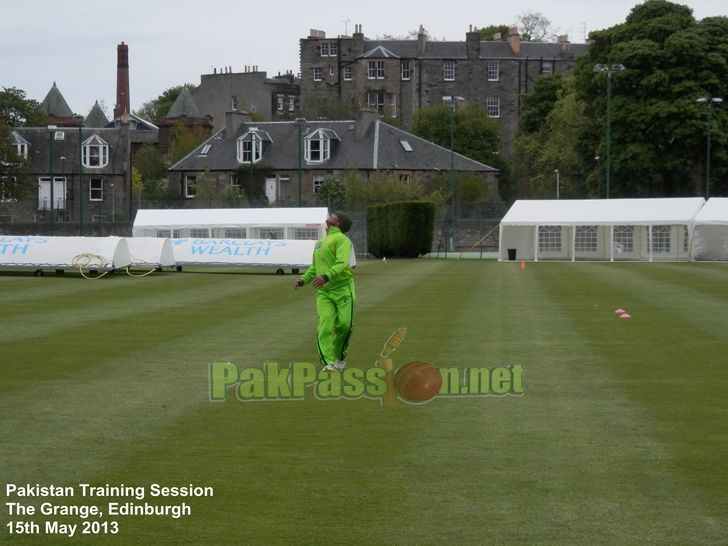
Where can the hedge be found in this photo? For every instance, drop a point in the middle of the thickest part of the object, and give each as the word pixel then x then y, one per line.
pixel 403 229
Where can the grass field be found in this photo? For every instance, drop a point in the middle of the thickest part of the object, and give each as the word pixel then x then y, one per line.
pixel 621 436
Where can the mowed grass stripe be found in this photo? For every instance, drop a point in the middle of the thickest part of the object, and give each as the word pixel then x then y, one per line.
pixel 160 362
pixel 645 435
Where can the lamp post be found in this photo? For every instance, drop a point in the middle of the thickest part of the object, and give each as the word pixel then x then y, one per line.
pixel 709 101
pixel 81 196
pixel 51 136
pixel 609 69
pixel 300 122
pixel 452 102
pixel 557 182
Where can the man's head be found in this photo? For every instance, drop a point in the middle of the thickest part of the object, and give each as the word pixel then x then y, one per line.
pixel 340 220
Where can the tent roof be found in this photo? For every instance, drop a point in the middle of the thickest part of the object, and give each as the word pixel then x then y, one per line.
pixel 715 211
pixel 230 217
pixel 611 212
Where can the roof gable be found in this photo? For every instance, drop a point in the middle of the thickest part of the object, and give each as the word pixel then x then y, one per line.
pixel 55 105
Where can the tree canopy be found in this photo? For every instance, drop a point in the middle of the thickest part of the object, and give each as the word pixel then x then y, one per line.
pixel 475 135
pixel 18 111
pixel 658 130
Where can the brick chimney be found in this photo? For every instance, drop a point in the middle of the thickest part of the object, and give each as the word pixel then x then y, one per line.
pixel 122 80
pixel 514 39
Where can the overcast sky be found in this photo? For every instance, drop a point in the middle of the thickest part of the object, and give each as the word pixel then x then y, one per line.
pixel 172 42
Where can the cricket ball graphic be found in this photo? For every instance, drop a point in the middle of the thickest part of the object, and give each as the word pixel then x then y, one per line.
pixel 418 381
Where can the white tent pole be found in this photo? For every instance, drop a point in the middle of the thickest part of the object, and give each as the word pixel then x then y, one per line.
pixel 535 244
pixel 649 240
pixel 573 243
pixel 611 243
pixel 500 243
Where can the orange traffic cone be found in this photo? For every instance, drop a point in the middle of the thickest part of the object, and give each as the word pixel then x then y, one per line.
pixel 523 264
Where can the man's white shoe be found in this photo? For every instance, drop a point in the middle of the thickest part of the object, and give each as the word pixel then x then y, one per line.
pixel 340 364
pixel 329 368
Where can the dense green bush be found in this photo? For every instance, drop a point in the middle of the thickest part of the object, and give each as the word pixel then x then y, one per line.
pixel 401 229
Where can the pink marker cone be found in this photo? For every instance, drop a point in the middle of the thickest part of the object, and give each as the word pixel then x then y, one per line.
pixel 619 311
pixel 625 316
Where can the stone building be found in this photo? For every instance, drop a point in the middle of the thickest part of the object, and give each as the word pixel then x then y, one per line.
pixel 290 160
pixel 399 77
pixel 251 91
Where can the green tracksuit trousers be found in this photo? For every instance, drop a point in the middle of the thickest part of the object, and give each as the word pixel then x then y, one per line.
pixel 335 309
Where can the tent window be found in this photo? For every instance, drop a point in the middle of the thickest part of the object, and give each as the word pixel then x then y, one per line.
pixel 163 233
pixel 660 239
pixel 270 233
pixel 235 233
pixel 549 239
pixel 199 233
pixel 686 239
pixel 586 239
pixel 624 238
pixel 306 233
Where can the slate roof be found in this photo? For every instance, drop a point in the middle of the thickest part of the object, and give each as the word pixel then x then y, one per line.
pixel 55 105
pixel 373 147
pixel 184 106
pixel 96 117
pixel 38 139
pixel 494 49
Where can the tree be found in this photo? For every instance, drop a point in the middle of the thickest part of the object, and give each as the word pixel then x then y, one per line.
pixel 538 104
pixel 657 128
pixel 475 135
pixel 158 108
pixel 332 193
pixel 534 27
pixel 184 140
pixel 152 173
pixel 17 111
pixel 15 181
pixel 487 33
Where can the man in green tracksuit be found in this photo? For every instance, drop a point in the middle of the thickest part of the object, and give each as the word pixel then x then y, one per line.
pixel 332 276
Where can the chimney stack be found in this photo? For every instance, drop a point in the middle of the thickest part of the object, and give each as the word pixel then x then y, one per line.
pixel 514 39
pixel 122 81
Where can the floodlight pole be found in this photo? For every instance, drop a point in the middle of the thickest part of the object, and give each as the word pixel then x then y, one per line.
pixel 557 182
pixel 300 122
pixel 51 136
pixel 452 101
pixel 709 101
pixel 609 70
pixel 80 178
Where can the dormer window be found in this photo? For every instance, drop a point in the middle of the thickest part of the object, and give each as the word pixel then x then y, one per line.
pixel 95 152
pixel 21 145
pixel 318 145
pixel 250 145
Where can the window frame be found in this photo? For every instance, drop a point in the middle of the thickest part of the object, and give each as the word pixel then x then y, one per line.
pixel 406 70
pixel 99 190
pixel 448 70
pixel 318 74
pixel 492 106
pixel 493 71
pixel 348 73
pixel 375 70
pixel 95 153
pixel 190 183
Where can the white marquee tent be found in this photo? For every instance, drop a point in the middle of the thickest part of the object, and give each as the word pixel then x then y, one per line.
pixel 61 253
pixel 599 229
pixel 710 231
pixel 264 223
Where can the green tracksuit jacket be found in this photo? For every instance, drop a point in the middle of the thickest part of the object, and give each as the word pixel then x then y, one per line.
pixel 335 299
